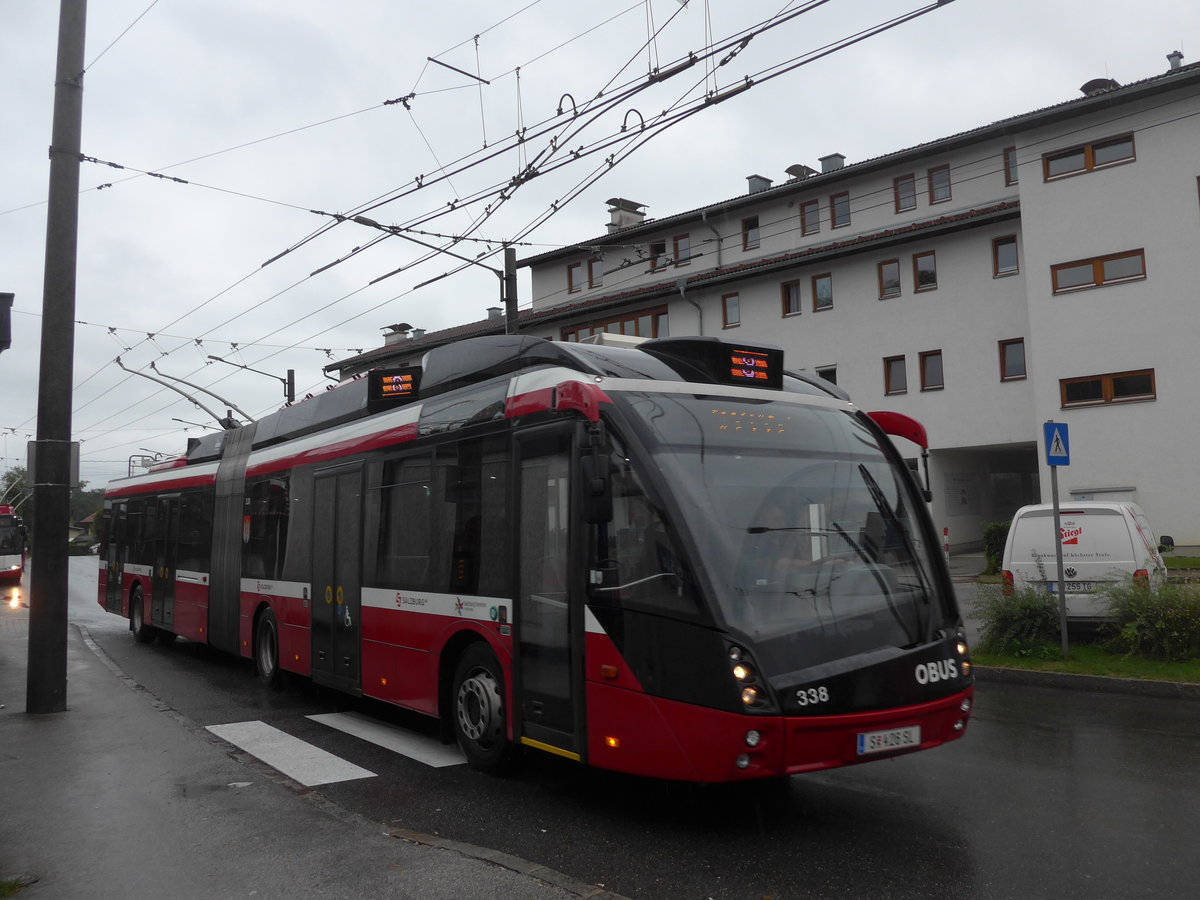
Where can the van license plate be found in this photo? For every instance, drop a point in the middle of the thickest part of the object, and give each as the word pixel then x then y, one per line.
pixel 1073 587
pixel 893 739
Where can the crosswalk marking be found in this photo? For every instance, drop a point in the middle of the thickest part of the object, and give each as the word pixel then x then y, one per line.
pixel 293 757
pixel 427 750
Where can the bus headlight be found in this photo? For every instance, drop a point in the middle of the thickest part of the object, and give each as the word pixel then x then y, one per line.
pixel 751 687
pixel 743 672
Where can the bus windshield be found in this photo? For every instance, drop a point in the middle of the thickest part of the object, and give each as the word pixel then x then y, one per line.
pixel 10 535
pixel 802 522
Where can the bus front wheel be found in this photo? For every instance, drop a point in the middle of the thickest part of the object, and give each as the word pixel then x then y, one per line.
pixel 143 633
pixel 266 651
pixel 479 720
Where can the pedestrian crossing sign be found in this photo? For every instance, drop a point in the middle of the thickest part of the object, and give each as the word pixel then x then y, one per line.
pixel 1058 447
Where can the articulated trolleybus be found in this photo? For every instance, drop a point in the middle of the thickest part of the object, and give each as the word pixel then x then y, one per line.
pixel 664 557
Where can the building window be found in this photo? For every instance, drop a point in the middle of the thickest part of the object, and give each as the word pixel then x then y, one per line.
pixel 1087 157
pixel 595 272
pixel 1010 165
pixel 750 233
pixel 731 310
pixel 1100 270
pixel 1004 256
pixel 939 184
pixel 574 277
pixel 905 190
pixel 829 373
pixel 889 278
pixel 895 379
pixel 839 209
pixel 1118 387
pixel 925 271
pixel 658 256
pixel 649 323
pixel 1012 359
pixel 810 217
pixel 789 295
pixel 683 249
pixel 822 292
pixel 931 370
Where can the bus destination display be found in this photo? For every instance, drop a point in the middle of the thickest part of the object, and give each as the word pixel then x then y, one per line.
pixel 391 387
pixel 760 366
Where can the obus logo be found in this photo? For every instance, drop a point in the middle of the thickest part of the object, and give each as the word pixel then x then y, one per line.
pixel 941 670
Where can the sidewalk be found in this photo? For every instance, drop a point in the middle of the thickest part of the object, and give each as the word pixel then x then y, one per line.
pixel 119 798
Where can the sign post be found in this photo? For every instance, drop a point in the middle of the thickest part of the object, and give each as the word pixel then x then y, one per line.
pixel 1058 453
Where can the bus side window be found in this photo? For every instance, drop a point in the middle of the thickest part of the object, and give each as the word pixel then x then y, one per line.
pixel 405 520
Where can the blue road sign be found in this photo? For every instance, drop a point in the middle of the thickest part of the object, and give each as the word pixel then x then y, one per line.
pixel 1058 446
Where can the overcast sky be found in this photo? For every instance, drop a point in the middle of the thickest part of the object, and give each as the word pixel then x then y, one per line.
pixel 275 113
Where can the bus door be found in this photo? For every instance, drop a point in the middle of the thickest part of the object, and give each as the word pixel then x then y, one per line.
pixel 166 551
pixel 114 557
pixel 548 615
pixel 337 577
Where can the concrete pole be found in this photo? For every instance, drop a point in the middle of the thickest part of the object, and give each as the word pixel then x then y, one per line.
pixel 46 687
pixel 510 290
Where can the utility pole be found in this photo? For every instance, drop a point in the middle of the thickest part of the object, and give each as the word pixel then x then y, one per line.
pixel 46 687
pixel 510 290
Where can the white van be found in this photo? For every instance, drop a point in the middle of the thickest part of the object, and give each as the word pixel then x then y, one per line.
pixel 1101 542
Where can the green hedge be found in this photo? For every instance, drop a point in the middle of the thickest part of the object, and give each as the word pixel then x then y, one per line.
pixel 1163 623
pixel 994 536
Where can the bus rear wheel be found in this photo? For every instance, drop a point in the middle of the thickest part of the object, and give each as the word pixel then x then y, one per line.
pixel 143 633
pixel 266 651
pixel 479 719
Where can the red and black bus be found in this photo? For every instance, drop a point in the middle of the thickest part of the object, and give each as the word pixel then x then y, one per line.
pixel 12 544
pixel 666 557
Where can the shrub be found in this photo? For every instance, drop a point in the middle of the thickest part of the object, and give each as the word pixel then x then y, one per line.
pixel 994 536
pixel 1160 623
pixel 1022 623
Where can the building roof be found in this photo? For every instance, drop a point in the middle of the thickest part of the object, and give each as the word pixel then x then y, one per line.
pixel 1078 106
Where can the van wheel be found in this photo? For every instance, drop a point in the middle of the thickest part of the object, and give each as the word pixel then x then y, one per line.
pixel 142 632
pixel 478 711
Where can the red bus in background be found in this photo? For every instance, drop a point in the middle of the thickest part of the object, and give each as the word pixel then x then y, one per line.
pixel 12 544
pixel 670 557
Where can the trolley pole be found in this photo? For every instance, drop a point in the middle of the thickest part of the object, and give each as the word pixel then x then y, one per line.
pixel 46 686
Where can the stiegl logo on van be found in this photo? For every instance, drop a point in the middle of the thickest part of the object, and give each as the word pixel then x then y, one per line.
pixel 1071 535
pixel 939 670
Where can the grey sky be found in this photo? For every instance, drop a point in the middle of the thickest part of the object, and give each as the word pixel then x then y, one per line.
pixel 194 77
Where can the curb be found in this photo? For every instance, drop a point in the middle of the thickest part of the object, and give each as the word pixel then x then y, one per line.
pixel 1172 690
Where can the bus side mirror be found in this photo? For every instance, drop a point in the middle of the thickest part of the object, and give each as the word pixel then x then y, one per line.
pixel 596 489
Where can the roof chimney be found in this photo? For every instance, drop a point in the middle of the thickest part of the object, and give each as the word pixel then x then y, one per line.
pixel 394 334
pixel 758 183
pixel 624 213
pixel 1175 58
pixel 832 162
pixel 494 312
pixel 418 333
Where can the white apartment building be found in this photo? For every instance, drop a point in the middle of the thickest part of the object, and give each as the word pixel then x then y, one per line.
pixel 1044 267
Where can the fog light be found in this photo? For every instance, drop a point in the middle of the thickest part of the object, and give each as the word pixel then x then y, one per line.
pixel 965 706
pixel 753 738
pixel 960 725
pixel 743 761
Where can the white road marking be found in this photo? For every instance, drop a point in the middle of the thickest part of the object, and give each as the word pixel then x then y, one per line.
pixel 423 749
pixel 293 757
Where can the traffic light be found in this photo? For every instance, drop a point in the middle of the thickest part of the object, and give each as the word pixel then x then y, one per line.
pixel 6 301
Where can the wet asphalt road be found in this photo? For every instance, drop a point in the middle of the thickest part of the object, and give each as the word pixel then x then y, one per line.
pixel 1052 793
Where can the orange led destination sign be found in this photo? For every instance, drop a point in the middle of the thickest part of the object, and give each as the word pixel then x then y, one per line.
pixel 761 367
pixel 392 387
